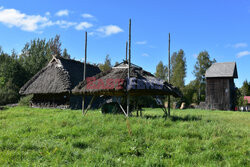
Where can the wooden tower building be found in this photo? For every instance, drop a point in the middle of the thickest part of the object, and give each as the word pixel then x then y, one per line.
pixel 220 87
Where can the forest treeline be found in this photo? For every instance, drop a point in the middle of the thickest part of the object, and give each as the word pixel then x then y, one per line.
pixel 17 69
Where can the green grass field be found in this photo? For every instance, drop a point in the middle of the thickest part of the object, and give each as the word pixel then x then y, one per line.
pixel 54 137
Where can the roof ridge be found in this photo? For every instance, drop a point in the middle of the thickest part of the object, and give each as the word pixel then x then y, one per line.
pixel 224 62
pixel 76 61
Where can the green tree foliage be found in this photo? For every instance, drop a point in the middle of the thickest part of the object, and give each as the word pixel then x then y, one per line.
pixel 202 64
pixel 161 71
pixel 11 77
pixel 55 46
pixel 178 69
pixel 35 55
pixel 65 54
pixel 107 64
pixel 172 63
pixel 38 52
pixel 241 101
pixel 245 89
pixel 190 92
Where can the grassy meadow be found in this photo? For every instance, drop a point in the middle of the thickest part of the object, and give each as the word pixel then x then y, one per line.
pixel 54 137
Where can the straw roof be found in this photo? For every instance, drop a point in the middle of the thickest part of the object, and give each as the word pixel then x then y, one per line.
pixel 59 76
pixel 115 83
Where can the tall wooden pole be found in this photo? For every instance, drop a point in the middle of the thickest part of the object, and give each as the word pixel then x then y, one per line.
pixel 84 72
pixel 129 61
pixel 126 50
pixel 169 72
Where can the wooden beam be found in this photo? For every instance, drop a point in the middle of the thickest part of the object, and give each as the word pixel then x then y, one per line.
pixel 129 61
pixel 121 107
pixel 91 101
pixel 169 72
pixel 126 50
pixel 84 72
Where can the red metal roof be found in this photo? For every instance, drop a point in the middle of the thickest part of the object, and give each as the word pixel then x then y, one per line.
pixel 247 98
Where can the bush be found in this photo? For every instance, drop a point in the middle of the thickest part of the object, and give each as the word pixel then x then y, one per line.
pixel 8 96
pixel 25 101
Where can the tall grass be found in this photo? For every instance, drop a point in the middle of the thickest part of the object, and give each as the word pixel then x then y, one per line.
pixel 54 137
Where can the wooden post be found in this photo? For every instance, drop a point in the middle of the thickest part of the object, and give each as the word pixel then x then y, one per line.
pixel 90 103
pixel 129 61
pixel 169 72
pixel 121 106
pixel 84 72
pixel 126 50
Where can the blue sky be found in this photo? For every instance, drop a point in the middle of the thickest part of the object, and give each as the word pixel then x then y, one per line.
pixel 222 27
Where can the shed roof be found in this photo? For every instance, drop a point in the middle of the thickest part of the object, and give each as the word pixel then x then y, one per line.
pixel 59 76
pixel 222 70
pixel 247 98
pixel 115 83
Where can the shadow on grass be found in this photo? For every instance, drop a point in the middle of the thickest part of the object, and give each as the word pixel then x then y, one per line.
pixel 175 118
pixel 3 108
pixel 186 118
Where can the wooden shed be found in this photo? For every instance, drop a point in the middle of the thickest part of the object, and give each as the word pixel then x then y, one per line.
pixel 220 87
pixel 52 85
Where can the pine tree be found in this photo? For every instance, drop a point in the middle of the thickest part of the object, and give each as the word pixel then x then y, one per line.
pixel 55 46
pixel 107 64
pixel 178 69
pixel 245 89
pixel 65 54
pixel 161 71
pixel 202 64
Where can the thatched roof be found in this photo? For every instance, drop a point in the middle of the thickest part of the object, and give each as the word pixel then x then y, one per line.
pixel 222 70
pixel 59 76
pixel 115 83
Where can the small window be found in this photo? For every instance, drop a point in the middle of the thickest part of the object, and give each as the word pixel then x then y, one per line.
pixel 226 90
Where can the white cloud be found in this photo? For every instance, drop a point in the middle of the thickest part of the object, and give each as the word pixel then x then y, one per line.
pixel 47 24
pixel 14 18
pixel 47 13
pixel 91 33
pixel 1 7
pixel 237 45
pixel 109 30
pixel 64 12
pixel 141 42
pixel 145 55
pixel 65 24
pixel 87 15
pixel 83 25
pixel 60 23
pixel 243 53
pixel 240 45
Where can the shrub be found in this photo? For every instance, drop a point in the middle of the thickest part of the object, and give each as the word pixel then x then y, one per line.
pixel 25 101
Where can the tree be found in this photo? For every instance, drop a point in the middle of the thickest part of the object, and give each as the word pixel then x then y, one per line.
pixel 38 52
pixel 202 64
pixel 65 54
pixel 161 71
pixel 178 69
pixel 190 92
pixel 107 64
pixel 55 46
pixel 245 89
pixel 172 63
pixel 35 55
pixel 12 77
